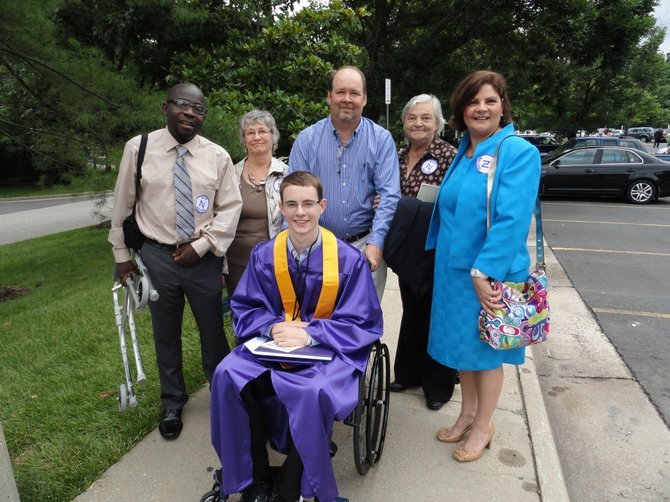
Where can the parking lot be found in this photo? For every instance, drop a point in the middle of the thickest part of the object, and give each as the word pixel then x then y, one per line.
pixel 618 257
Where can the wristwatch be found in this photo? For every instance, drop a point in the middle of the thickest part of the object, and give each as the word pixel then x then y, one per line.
pixel 478 274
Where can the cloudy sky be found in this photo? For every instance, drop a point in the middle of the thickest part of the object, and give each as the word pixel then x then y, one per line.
pixel 662 13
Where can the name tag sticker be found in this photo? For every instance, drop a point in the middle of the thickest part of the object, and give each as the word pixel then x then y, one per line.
pixel 202 203
pixel 484 163
pixel 276 183
pixel 429 166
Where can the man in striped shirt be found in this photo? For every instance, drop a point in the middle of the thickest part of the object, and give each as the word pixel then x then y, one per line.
pixel 356 159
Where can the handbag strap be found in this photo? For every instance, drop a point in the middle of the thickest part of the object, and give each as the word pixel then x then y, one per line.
pixel 138 169
pixel 539 237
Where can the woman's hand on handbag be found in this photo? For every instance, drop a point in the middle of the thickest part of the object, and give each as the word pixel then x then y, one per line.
pixel 487 295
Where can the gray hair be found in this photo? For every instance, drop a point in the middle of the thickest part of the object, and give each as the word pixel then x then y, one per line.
pixel 437 109
pixel 265 118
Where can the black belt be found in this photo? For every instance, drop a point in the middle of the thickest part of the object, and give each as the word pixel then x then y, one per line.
pixel 167 247
pixel 354 238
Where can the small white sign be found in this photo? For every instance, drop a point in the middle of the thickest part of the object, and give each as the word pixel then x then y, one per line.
pixel 388 91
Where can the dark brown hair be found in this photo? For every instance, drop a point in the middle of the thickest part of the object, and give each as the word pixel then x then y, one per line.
pixel 301 179
pixel 468 89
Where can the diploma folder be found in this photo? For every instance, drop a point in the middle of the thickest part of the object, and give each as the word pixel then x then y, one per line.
pixel 263 348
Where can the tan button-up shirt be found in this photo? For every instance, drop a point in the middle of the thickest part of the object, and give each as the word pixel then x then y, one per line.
pixel 216 195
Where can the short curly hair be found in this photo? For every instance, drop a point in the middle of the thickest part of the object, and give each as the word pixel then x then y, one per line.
pixel 437 109
pixel 262 117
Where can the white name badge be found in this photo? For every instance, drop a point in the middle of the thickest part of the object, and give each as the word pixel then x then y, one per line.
pixel 202 203
pixel 429 166
pixel 483 163
pixel 276 184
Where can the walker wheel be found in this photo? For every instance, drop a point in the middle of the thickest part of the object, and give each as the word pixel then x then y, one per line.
pixel 123 398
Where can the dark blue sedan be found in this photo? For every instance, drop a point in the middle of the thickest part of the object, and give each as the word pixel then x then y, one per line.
pixel 604 170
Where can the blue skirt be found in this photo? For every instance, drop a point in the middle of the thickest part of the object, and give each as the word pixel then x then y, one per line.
pixel 454 324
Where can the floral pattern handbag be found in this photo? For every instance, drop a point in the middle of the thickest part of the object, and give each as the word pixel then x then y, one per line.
pixel 524 319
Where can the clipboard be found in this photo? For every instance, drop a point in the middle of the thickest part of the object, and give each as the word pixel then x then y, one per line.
pixel 262 348
pixel 427 193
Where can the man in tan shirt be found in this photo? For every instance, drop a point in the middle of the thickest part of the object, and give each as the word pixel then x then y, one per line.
pixel 180 267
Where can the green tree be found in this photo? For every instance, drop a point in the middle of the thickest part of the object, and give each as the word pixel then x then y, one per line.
pixel 568 63
pixel 64 106
pixel 285 69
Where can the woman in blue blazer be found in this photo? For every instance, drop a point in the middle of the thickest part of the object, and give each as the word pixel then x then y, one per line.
pixel 468 257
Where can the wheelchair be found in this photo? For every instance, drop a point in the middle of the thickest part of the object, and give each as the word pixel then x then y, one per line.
pixel 368 419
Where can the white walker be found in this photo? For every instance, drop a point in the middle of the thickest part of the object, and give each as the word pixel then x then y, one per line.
pixel 135 296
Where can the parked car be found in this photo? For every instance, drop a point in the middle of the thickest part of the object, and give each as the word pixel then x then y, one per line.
pixel 604 141
pixel 606 170
pixel 645 134
pixel 544 144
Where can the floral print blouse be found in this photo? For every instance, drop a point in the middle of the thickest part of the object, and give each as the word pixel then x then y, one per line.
pixel 430 169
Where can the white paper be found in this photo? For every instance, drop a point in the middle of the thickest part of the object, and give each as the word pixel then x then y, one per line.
pixel 427 193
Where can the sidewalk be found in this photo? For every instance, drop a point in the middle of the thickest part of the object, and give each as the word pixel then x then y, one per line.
pixel 522 464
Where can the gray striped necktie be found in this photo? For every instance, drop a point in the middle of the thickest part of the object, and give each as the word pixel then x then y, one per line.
pixel 184 197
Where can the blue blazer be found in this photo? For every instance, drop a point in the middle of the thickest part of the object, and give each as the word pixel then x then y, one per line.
pixel 502 251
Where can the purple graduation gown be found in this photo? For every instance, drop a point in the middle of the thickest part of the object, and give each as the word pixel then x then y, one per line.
pixel 310 398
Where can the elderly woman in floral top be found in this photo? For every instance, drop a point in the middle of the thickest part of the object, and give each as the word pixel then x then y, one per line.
pixel 425 159
pixel 259 175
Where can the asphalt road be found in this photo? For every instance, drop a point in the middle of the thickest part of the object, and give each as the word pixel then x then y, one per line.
pixel 30 218
pixel 618 257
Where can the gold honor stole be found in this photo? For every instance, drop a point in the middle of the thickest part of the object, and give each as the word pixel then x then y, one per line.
pixel 331 276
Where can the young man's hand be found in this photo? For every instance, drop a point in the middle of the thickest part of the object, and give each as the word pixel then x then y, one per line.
pixel 290 334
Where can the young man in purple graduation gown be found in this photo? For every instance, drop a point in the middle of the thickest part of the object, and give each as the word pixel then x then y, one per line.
pixel 327 298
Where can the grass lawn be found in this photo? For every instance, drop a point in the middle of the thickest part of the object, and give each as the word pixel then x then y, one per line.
pixel 60 365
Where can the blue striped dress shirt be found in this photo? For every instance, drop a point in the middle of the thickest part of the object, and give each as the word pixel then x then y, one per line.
pixel 352 174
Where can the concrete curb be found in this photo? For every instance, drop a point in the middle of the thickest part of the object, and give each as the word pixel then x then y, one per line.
pixel 547 465
pixel 8 490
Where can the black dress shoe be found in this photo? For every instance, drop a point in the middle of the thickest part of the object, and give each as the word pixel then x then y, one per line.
pixel 397 387
pixel 171 425
pixel 257 492
pixel 434 405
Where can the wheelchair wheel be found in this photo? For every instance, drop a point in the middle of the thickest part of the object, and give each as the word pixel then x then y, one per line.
pixel 214 495
pixel 210 496
pixel 377 404
pixel 371 413
pixel 358 422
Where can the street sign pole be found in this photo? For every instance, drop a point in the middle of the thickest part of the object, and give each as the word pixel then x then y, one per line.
pixel 388 100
